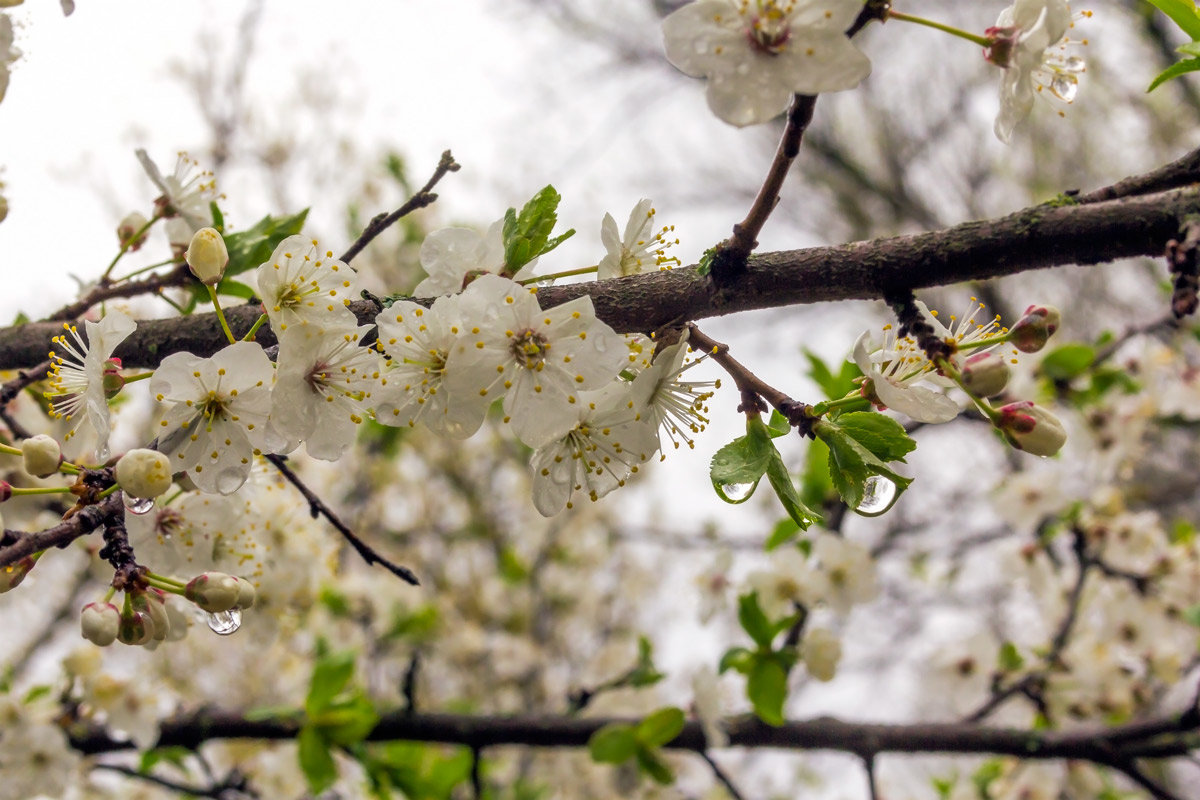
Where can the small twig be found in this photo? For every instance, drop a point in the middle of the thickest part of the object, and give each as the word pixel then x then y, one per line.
pixel 421 199
pixel 1130 770
pixel 152 284
pixel 721 776
pixel 1184 171
pixel 233 782
pixel 872 785
pixel 408 689
pixel 317 508
pixel 15 545
pixel 476 777
pixel 750 384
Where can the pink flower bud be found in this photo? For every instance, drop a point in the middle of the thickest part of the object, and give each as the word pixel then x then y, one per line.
pixel 207 256
pixel 213 591
pixel 5 490
pixel 985 374
pixel 1031 428
pixel 12 574
pixel 1034 328
pixel 42 455
pixel 136 627
pixel 246 593
pixel 128 229
pixel 100 623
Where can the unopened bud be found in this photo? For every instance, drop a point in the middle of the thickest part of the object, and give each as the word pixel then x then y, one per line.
pixel 111 378
pixel 11 575
pixel 821 652
pixel 1002 43
pixel 985 374
pixel 151 604
pixel 246 593
pixel 213 591
pixel 144 473
pixel 1029 427
pixel 207 256
pixel 5 493
pixel 1034 328
pixel 129 228
pixel 42 455
pixel 136 627
pixel 100 623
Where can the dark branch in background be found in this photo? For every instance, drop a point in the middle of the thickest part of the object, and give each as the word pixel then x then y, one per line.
pixel 233 782
pixel 10 390
pixel 1042 236
pixel 1179 173
pixel 15 545
pixel 1170 735
pixel 720 775
pixel 317 508
pixel 424 197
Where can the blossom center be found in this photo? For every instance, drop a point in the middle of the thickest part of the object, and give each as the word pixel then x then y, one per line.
pixel 529 349
pixel 769 29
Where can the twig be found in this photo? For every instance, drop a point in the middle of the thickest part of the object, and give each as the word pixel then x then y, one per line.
pixel 476 777
pixel 1131 771
pixel 421 199
pixel 234 781
pixel 872 785
pixel 748 383
pixel 152 284
pixel 408 689
pixel 1181 172
pixel 317 508
pixel 15 545
pixel 720 775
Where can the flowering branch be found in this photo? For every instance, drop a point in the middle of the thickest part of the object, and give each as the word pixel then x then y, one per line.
pixel 15 545
pixel 421 199
pixel 107 290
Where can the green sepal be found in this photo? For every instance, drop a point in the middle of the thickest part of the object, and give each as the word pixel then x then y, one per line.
pixel 613 744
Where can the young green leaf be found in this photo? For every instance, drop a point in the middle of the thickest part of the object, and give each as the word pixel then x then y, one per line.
pixel 659 727
pixel 1183 13
pixel 781 482
pixel 1174 71
pixel 613 744
pixel 737 467
pixel 320 770
pixel 527 235
pixel 650 763
pixel 1067 362
pixel 883 436
pixel 766 687
pixel 754 622
pixel 330 676
pixel 834 386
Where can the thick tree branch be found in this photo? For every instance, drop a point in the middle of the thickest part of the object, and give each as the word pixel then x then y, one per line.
pixel 1038 237
pixel 15 545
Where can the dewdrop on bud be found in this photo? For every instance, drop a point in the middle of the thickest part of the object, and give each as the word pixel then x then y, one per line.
pixel 246 593
pixel 42 455
pixel 135 627
pixel 100 623
pixel 11 575
pixel 207 256
pixel 151 604
pixel 128 229
pixel 1035 327
pixel 144 473
pixel 1029 427
pixel 985 374
pixel 821 652
pixel 213 591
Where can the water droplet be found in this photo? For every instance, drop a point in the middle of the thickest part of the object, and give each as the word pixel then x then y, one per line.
pixel 230 480
pixel 1074 64
pixel 1065 87
pixel 879 493
pixel 138 505
pixel 737 492
pixel 225 622
pixel 102 453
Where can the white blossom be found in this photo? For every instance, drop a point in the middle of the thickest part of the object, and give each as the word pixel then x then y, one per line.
pixel 789 582
pixel 677 406
pixel 450 255
pixel 537 360
pixel 77 374
pixel 757 53
pixel 324 384
pixel 217 413
pixel 186 193
pixel 300 285
pixel 640 249
pixel 894 371
pixel 848 569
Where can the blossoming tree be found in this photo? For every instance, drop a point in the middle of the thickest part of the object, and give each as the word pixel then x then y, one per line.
pixel 379 497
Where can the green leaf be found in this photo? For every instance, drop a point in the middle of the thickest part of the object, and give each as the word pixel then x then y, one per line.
pixel 645 673
pixel 987 773
pixel 511 569
pixel 781 482
pixel 1190 49
pixel 330 676
pixel 36 692
pixel 218 219
pixel 754 621
pixel 1183 13
pixel 174 755
pixel 738 659
pixel 766 687
pixel 706 261
pixel 738 466
pixel 1191 615
pixel 320 770
pixel 778 425
pixel 850 464
pixel 659 727
pixel 348 722
pixel 784 531
pixel 1174 71
pixel 527 235
pixel 252 247
pixel 883 436
pixel 1010 658
pixel 650 763
pixel 1067 362
pixel 613 744
pixel 235 289
pixel 816 485
pixel 834 386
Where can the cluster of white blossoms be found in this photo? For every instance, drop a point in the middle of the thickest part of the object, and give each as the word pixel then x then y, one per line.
pixel 758 54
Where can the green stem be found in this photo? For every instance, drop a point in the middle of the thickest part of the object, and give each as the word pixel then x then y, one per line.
pixel 17 491
pixel 128 242
pixel 556 275
pixel 948 369
pixel 982 41
pixel 850 402
pixel 165 583
pixel 212 293
pixel 107 492
pixel 135 378
pixel 258 323
pixel 139 271
pixel 172 304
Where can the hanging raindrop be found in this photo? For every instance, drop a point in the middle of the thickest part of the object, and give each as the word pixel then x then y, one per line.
pixel 225 622
pixel 737 492
pixel 138 505
pixel 878 495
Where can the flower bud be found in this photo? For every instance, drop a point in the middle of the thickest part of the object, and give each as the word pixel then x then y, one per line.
pixel 135 627
pixel 213 591
pixel 1034 328
pixel 246 593
pixel 111 378
pixel 128 229
pixel 42 455
pixel 5 493
pixel 1031 428
pixel 100 623
pixel 985 374
pixel 821 652
pixel 11 575
pixel 1002 43
pixel 144 473
pixel 207 256
pixel 151 604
